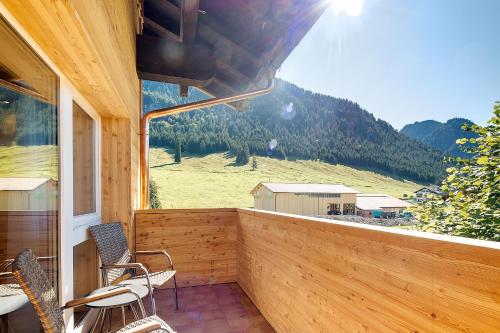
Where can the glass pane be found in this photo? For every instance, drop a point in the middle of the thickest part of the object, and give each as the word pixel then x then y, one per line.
pixel 29 163
pixel 83 162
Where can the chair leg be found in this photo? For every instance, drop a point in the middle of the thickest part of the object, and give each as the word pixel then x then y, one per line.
pixel 153 303
pixel 105 312
pixel 176 294
pixel 97 319
pixel 123 316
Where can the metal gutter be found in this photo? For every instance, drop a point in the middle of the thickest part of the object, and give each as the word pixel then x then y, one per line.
pixel 145 119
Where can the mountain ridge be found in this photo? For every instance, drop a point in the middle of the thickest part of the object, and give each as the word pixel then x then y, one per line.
pixel 304 124
pixel 440 135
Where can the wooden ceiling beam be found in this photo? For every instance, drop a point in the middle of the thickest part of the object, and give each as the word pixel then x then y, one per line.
pixel 167 8
pixel 189 20
pixel 160 30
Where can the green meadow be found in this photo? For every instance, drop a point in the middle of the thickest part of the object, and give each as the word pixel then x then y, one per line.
pixel 29 161
pixel 216 181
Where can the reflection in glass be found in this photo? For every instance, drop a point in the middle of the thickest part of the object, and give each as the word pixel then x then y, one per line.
pixel 83 162
pixel 29 164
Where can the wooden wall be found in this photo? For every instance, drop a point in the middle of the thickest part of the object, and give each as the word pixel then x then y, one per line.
pixel 93 43
pixel 311 275
pixel 28 229
pixel 292 203
pixel 116 174
pixel 86 273
pixel 202 243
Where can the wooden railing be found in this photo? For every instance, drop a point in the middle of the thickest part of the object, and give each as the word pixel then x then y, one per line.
pixel 202 243
pixel 314 275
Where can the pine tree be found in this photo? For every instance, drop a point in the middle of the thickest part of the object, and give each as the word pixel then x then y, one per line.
pixel 177 157
pixel 254 163
pixel 242 154
pixel 154 200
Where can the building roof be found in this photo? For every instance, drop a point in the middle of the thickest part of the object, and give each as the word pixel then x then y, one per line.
pixel 22 184
pixel 221 47
pixel 378 202
pixel 431 188
pixel 306 188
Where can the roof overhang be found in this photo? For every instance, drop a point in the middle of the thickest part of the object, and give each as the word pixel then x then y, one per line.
pixel 221 47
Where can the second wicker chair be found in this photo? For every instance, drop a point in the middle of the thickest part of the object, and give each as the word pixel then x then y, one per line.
pixel 118 265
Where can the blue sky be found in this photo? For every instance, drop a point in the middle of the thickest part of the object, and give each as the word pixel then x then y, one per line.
pixel 404 61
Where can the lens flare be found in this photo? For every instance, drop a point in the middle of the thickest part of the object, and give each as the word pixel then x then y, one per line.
pixel 273 143
pixel 288 112
pixel 349 7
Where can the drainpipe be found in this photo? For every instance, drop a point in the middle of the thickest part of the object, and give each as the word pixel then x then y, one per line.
pixel 145 119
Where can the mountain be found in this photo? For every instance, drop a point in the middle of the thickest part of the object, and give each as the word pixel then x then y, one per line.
pixel 293 123
pixel 442 136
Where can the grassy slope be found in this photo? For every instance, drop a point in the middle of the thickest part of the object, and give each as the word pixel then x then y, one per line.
pixel 29 161
pixel 214 181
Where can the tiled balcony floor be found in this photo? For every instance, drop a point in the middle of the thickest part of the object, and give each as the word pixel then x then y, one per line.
pixel 220 308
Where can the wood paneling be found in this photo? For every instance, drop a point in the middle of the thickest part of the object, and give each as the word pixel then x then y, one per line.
pixel 92 42
pixel 313 275
pixel 85 268
pixel 83 162
pixel 33 230
pixel 116 174
pixel 202 243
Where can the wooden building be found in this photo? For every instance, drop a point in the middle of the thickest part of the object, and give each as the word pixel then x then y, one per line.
pixel 422 194
pixel 28 194
pixel 379 205
pixel 305 199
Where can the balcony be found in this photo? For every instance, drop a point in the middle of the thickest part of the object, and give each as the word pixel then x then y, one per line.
pixel 314 275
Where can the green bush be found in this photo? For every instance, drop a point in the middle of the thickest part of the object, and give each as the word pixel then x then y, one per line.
pixel 472 208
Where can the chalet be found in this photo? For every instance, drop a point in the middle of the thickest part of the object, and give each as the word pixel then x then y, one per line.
pixel 28 194
pixel 70 80
pixel 422 193
pixel 379 205
pixel 305 199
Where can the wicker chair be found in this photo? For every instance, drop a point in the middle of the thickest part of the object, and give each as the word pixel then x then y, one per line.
pixel 117 266
pixel 36 285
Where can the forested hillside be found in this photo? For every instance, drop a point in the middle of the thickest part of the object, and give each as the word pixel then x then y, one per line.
pixel 442 136
pixel 304 125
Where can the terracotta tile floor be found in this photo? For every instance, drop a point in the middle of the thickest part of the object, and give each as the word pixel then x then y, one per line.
pixel 220 308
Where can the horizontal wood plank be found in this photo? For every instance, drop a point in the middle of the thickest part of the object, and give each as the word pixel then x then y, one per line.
pixel 313 275
pixel 201 242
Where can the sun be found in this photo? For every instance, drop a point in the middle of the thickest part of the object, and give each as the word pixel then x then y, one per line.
pixel 348 7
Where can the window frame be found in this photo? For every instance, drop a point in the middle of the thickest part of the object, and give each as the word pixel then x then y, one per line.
pixel 86 220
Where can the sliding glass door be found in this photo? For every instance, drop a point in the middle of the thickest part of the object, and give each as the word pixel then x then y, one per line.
pixel 29 163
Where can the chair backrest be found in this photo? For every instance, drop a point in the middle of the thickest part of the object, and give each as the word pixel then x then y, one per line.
pixel 112 246
pixel 37 287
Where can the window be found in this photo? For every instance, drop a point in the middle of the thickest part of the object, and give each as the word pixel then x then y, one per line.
pixel 349 209
pixel 84 196
pixel 29 155
pixel 333 209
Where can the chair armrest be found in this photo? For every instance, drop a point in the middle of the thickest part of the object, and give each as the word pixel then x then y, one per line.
pixel 97 297
pixel 144 328
pixel 156 252
pixel 134 265
pixel 6 275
